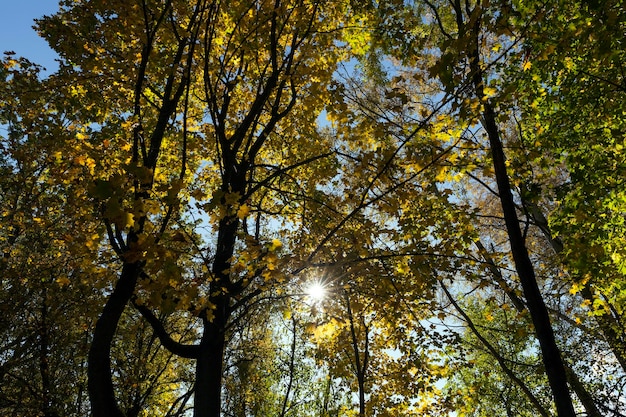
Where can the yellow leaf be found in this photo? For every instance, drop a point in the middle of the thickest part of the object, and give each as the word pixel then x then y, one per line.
pixel 575 288
pixel 442 175
pixel 276 244
pixel 129 219
pixel 92 241
pixel 527 65
pixel 243 211
pixel 490 91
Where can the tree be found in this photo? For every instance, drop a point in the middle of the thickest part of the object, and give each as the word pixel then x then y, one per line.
pixel 192 165
pixel 195 123
pixel 48 253
pixel 465 29
pixel 579 136
pixel 42 358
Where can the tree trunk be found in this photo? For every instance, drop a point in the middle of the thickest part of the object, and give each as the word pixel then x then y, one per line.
pixel 100 381
pixel 523 265
pixel 208 385
pixel 47 407
pixel 292 368
pixel 551 355
pixel 583 394
pixel 360 366
pixel 496 355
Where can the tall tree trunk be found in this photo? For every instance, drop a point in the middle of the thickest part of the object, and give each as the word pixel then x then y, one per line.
pixel 359 365
pixel 47 406
pixel 208 385
pixel 551 355
pixel 523 265
pixel 100 380
pixel 496 355
pixel 576 384
pixel 292 368
pixel 583 394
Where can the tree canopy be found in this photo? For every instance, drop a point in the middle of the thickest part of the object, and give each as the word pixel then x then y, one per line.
pixel 448 174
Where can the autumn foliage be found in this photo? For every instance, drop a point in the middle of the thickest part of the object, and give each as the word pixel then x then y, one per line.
pixel 449 173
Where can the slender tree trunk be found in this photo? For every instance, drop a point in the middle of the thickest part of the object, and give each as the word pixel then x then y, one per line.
pixel 361 381
pixel 523 265
pixel 292 368
pixel 360 365
pixel 496 355
pixel 44 359
pixel 100 381
pixel 583 395
pixel 551 355
pixel 577 386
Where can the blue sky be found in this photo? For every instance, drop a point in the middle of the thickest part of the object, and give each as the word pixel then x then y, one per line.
pixel 17 34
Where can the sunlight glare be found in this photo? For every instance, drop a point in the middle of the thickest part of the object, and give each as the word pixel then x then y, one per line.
pixel 316 291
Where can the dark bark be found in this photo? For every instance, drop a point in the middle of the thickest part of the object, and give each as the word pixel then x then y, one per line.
pixel 177 348
pixel 44 360
pixel 583 395
pixel 551 355
pixel 208 386
pixel 576 384
pixel 292 369
pixel 360 366
pixel 100 384
pixel 523 265
pixel 497 275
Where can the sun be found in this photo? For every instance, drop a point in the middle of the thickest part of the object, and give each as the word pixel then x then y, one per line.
pixel 316 291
